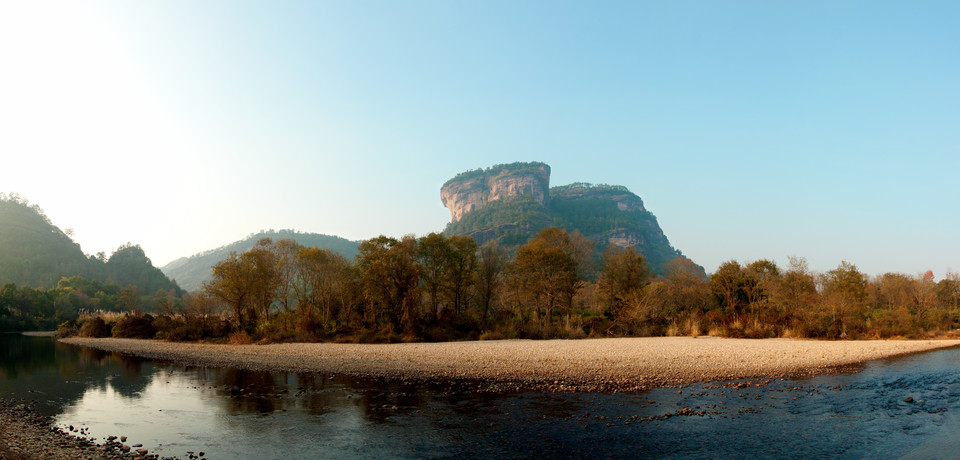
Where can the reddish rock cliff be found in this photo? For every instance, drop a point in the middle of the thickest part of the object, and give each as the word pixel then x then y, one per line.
pixel 470 191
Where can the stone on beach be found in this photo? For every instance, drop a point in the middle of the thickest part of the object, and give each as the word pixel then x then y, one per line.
pixel 621 364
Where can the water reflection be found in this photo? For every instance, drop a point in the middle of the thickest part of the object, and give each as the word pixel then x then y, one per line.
pixel 173 409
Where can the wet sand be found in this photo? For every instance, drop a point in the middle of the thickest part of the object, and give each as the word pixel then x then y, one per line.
pixel 617 364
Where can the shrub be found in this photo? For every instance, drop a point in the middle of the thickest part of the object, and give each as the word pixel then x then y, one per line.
pixel 94 327
pixel 135 327
pixel 240 338
pixel 492 335
pixel 68 329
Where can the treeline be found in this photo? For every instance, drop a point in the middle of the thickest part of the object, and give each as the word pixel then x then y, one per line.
pixel 24 308
pixel 438 288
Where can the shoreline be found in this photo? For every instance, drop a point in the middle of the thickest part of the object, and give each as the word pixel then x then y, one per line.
pixel 609 364
pixel 25 434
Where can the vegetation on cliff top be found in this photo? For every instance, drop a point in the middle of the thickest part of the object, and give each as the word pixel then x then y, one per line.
pixel 518 167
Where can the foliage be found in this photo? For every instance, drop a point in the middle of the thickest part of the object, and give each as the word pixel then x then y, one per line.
pixel 191 272
pixel 536 276
pixel 623 275
pixel 518 168
pixel 389 278
pixel 48 280
pixel 546 272
pixel 95 327
pixel 488 276
pixel 134 326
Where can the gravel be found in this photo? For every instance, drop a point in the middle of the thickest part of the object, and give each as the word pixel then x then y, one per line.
pixel 622 364
pixel 615 364
pixel 25 434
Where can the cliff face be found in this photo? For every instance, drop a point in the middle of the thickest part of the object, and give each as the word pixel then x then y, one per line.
pixel 474 189
pixel 511 203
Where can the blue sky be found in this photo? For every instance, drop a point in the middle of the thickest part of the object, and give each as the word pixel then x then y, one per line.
pixel 826 130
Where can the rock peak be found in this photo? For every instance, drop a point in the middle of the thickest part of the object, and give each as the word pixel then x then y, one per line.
pixel 471 190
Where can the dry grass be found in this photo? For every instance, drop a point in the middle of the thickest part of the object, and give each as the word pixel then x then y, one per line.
pixel 107 316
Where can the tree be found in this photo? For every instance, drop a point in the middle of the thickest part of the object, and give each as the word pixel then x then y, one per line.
pixel 201 307
pixel 264 280
pixel 687 286
pixel 461 266
pixel 389 274
pixel 246 284
pixel 762 279
pixel 891 291
pixel 845 292
pixel 129 298
pixel 623 274
pixel 322 284
pixel 948 291
pixel 490 265
pixel 546 272
pixel 729 284
pixel 433 253
pixel 285 255
pixel 9 299
pixel 924 295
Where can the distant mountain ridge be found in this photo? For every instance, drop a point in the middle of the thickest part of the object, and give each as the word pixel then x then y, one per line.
pixel 191 272
pixel 510 203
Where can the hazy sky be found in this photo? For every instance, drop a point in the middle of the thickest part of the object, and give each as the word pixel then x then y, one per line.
pixel 828 130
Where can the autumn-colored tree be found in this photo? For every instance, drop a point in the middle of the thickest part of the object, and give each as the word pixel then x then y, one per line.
pixel 129 299
pixel 201 308
pixel 762 281
pixel 245 283
pixel 891 291
pixel 284 253
pixel 623 274
pixel 490 265
pixel 263 285
pixel 545 273
pixel 730 286
pixel 323 284
pixel 433 253
pixel 843 300
pixel 688 288
pixel 924 295
pixel 461 267
pixel 798 289
pixel 389 275
pixel 948 292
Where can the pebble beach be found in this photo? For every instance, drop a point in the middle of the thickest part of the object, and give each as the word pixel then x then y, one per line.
pixel 614 364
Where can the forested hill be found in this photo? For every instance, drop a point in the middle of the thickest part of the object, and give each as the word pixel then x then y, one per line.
pixel 33 251
pixel 190 272
pixel 36 253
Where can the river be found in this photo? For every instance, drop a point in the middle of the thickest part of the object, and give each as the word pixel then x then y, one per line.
pixel 904 407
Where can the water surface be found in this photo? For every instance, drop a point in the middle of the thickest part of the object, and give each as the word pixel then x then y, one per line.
pixel 173 409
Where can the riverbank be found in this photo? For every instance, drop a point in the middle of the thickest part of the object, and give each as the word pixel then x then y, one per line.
pixel 25 434
pixel 617 364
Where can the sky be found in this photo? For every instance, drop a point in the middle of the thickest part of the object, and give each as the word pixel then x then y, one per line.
pixel 751 129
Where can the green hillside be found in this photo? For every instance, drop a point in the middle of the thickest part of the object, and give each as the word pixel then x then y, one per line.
pixel 190 272
pixel 35 253
pixel 32 250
